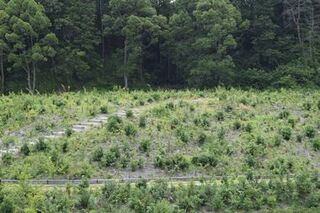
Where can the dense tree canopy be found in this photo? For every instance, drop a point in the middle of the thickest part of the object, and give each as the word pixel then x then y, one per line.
pixel 199 43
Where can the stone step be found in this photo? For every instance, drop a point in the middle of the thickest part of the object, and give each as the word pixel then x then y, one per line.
pixel 78 130
pixel 78 126
pixel 52 136
pixel 59 133
pixel 91 123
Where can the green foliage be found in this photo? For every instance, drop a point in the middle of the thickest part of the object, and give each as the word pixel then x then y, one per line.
pixel 130 130
pixel 286 133
pixel 204 160
pixel 97 154
pixel 145 145
pixel 114 124
pixel 25 149
pixel 310 132
pixel 41 145
pixel 316 144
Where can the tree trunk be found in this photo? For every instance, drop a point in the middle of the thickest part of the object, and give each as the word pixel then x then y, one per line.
pixel 2 71
pixel 101 28
pixel 33 76
pixel 29 78
pixel 125 61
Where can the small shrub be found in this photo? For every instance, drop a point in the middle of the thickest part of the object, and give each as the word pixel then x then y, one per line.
pixel 220 116
pixel 142 122
pixel 104 110
pixel 129 114
pixel 307 106
pixel 236 125
pixel 221 133
pixel 145 145
pixel 228 109
pixel 318 105
pixel 7 159
pixel 114 124
pixel 205 160
pixel 40 127
pixel 176 162
pixel 316 144
pixel 41 145
pixel 97 154
pixel 202 138
pixel 284 115
pixel 141 103
pixel 276 141
pixel 292 122
pixel 130 130
pixel 111 157
pixel 59 103
pixel 69 132
pixel 310 132
pixel 136 164
pixel 299 138
pixel 170 106
pixel 248 128
pixel 156 97
pixel 183 135
pixel 286 133
pixel 25 149
pixel 260 140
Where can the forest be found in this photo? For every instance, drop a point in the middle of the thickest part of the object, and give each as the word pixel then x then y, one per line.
pixel 50 45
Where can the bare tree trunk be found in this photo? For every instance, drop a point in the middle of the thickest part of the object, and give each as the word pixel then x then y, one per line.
pixel 311 32
pixel 2 71
pixel 101 28
pixel 33 76
pixel 29 78
pixel 125 71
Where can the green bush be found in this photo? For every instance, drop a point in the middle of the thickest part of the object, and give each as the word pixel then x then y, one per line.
pixel 114 124
pixel 276 141
pixel 316 144
pixel 129 114
pixel 25 149
pixel 292 122
pixel 248 128
pixel 307 106
pixel 145 145
pixel 204 160
pixel 286 133
pixel 7 159
pixel 183 135
pixel 176 162
pixel 202 138
pixel 236 125
pixel 41 145
pixel 111 156
pixel 97 154
pixel 104 110
pixel 220 116
pixel 284 115
pixel 142 122
pixel 310 132
pixel 130 130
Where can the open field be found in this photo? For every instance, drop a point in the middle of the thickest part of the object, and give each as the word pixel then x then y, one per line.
pixel 266 141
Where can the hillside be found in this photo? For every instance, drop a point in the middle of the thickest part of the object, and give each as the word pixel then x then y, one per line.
pixel 220 134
